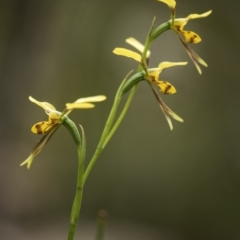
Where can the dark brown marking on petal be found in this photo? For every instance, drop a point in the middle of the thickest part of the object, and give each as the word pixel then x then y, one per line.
pixel 167 88
pixel 54 121
pixel 39 128
pixel 151 79
pixel 192 39
pixel 178 28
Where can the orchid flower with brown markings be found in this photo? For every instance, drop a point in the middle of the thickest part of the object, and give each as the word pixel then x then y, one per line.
pixel 152 76
pixel 186 36
pixel 55 119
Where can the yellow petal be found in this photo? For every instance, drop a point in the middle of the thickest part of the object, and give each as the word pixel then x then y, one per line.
pixel 191 37
pixel 53 114
pixel 164 65
pixel 79 105
pixel 180 22
pixel 170 3
pixel 139 46
pixel 153 74
pixel 98 98
pixel 43 105
pixel 128 53
pixel 42 127
pixel 166 87
pixel 203 15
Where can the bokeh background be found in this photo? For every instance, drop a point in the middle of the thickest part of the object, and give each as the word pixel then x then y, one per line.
pixel 154 183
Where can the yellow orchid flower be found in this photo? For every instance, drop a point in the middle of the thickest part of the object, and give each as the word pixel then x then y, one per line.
pixel 152 75
pixel 178 24
pixel 55 118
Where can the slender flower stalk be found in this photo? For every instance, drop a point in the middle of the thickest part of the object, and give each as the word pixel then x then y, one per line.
pixel 106 130
pixel 81 149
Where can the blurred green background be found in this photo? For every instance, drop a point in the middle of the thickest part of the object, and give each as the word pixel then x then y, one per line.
pixel 154 183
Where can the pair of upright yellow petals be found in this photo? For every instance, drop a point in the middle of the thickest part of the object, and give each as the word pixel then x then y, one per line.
pixel 152 75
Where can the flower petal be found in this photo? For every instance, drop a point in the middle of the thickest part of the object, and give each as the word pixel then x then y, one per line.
pixel 195 15
pixel 168 112
pixel 180 22
pixel 167 117
pixel 98 98
pixel 43 105
pixel 71 106
pixel 164 65
pixel 193 56
pixel 171 3
pixel 174 115
pixel 42 127
pixel 38 148
pixel 191 37
pixel 153 74
pixel 165 109
pixel 128 53
pixel 139 46
pixel 28 161
pixel 166 87
pixel 53 114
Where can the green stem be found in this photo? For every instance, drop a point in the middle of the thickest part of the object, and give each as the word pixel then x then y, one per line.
pixel 160 29
pixel 81 149
pixel 121 116
pixel 109 130
pixel 148 43
pixel 106 130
